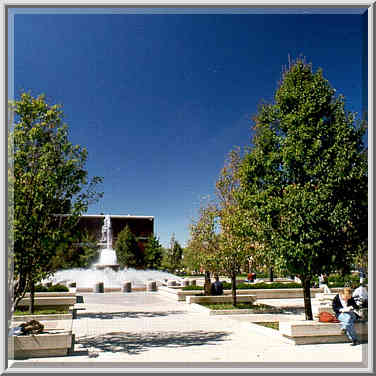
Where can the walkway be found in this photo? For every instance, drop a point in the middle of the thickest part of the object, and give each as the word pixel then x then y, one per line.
pixel 149 327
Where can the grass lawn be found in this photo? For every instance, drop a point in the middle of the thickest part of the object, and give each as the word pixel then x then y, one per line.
pixel 272 325
pixel 219 306
pixel 46 311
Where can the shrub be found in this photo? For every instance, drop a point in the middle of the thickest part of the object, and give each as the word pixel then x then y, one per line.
pixel 40 288
pixel 190 288
pixel 58 288
pixel 263 285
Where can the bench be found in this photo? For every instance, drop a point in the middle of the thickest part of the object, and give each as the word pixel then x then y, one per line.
pixel 315 332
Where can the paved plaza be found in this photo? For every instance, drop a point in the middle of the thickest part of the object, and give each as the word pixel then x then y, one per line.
pixel 150 327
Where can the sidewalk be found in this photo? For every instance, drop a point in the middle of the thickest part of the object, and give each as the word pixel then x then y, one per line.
pixel 148 327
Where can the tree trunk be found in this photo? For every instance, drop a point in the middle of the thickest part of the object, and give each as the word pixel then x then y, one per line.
pixel 271 274
pixel 306 282
pixel 32 293
pixel 233 286
pixel 207 284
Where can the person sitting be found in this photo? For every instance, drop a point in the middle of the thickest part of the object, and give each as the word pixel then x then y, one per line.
pixel 360 296
pixel 216 287
pixel 343 307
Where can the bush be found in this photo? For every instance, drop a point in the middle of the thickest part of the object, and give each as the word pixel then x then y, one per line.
pixel 263 285
pixel 40 288
pixel 190 288
pixel 58 288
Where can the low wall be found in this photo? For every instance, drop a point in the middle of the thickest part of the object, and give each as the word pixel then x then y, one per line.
pixel 259 293
pixel 53 301
pixel 24 318
pixel 221 299
pixel 51 294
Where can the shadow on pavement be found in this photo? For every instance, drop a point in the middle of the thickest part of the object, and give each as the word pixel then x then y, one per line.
pixel 125 315
pixel 134 343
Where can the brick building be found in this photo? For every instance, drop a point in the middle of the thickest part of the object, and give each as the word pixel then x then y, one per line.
pixel 141 226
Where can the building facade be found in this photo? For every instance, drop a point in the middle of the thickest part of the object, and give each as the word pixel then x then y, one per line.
pixel 142 227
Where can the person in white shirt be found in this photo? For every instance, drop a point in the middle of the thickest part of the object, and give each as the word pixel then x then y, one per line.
pixel 360 296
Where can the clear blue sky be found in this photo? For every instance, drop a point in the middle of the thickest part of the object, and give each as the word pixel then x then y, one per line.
pixel 160 99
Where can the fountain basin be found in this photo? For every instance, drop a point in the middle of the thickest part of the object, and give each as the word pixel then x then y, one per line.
pixel 114 267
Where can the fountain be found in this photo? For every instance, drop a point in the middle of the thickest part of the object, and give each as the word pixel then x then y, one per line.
pixel 107 258
pixel 107 270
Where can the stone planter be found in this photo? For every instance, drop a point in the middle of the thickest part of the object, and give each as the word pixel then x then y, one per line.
pixel 40 345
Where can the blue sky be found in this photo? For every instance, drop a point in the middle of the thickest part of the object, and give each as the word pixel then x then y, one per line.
pixel 160 99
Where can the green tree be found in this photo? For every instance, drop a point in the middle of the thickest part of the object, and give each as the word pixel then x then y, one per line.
pixel 306 178
pixel 80 254
pixel 235 245
pixel 203 245
pixel 127 250
pixel 153 253
pixel 49 179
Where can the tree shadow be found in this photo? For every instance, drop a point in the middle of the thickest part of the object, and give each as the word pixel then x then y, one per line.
pixel 134 343
pixel 126 315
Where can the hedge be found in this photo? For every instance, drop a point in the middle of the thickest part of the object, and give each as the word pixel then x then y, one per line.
pixel 53 288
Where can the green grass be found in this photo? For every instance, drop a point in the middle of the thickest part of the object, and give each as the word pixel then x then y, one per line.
pixel 272 325
pixel 45 311
pixel 220 306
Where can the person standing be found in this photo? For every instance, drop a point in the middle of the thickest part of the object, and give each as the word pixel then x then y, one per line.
pixel 343 307
pixel 217 287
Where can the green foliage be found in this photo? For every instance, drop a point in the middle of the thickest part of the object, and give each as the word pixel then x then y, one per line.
pixel 40 288
pixel 153 253
pixel 305 179
pixel 80 254
pixel 193 288
pixel 173 256
pixel 52 288
pixel 263 285
pixel 49 180
pixel 58 288
pixel 127 250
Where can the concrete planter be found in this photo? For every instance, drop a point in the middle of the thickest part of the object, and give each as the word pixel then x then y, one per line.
pixel 40 345
pixel 51 294
pixel 51 302
pixel 24 318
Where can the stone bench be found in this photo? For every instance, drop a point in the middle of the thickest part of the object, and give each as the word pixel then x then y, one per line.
pixel 314 332
pixel 220 299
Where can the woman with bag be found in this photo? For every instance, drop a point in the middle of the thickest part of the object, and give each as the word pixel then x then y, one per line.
pixel 343 307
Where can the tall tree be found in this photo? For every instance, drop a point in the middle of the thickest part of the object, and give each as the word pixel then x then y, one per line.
pixel 49 179
pixel 153 253
pixel 235 245
pixel 203 244
pixel 306 177
pixel 127 250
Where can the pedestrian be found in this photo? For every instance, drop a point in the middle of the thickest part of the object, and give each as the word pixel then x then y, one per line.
pixel 343 307
pixel 362 275
pixel 216 287
pixel 360 296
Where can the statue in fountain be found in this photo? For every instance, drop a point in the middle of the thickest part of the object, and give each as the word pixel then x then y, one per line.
pixel 106 229
pixel 107 258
